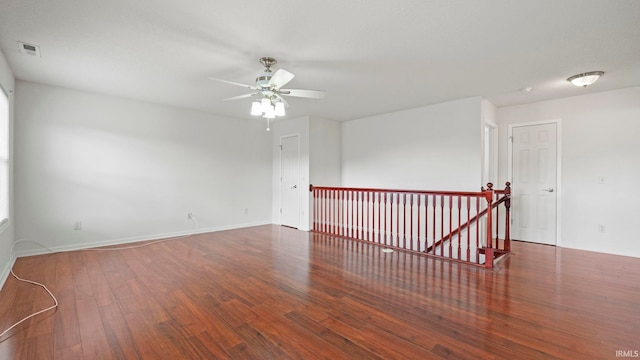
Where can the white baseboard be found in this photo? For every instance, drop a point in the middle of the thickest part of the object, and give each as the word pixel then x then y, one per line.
pixel 6 271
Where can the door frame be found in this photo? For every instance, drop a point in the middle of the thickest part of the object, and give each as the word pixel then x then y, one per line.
pixel 490 149
pixel 297 136
pixel 558 123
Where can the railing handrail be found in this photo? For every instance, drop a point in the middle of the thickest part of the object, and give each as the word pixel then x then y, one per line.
pixel 401 191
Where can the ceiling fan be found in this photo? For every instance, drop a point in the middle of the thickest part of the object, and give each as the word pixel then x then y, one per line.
pixel 268 90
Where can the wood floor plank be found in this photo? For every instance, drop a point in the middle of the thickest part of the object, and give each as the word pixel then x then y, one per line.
pixel 347 347
pixel 380 342
pixel 66 332
pixel 95 344
pixel 270 292
pixel 293 339
pixel 117 332
pixel 207 345
pixel 256 346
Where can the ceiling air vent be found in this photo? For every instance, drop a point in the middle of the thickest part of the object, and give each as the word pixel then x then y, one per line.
pixel 29 49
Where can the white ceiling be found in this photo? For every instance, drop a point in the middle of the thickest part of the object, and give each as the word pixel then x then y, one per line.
pixel 371 56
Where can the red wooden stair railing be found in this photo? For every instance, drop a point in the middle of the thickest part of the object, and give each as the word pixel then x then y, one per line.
pixel 455 225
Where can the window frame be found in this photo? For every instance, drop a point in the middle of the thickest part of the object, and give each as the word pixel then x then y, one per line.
pixel 5 158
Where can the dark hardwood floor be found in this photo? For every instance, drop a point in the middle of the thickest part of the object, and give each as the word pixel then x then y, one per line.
pixel 273 292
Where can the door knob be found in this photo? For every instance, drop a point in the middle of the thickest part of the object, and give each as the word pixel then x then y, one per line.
pixel 548 190
pixel 296 186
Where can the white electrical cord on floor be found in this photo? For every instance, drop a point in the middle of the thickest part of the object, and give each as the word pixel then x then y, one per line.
pixel 55 300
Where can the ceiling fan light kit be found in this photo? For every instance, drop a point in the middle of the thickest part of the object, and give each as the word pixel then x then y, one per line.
pixel 268 87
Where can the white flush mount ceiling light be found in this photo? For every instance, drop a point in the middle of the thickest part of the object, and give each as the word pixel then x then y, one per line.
pixel 585 79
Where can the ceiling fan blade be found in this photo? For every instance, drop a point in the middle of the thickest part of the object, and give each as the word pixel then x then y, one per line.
pixel 241 96
pixel 235 83
pixel 280 78
pixel 312 94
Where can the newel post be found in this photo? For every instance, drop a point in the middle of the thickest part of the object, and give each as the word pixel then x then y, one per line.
pixel 507 206
pixel 488 254
pixel 314 207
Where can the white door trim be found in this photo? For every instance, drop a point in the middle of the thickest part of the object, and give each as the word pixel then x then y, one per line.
pixel 558 123
pixel 490 165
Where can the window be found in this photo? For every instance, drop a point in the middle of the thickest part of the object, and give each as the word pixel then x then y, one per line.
pixel 4 157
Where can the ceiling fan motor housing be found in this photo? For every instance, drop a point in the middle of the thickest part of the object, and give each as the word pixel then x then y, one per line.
pixel 262 81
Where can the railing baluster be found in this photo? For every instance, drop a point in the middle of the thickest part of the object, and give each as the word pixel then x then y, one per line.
pixel 326 209
pixel 433 225
pixel 345 213
pixel 392 239
pixel 317 215
pixel 468 199
pixel 418 217
pixel 385 218
pixel 353 225
pixel 330 221
pixel 370 216
pixel 379 217
pixel 360 213
pixel 411 221
pixel 477 231
pixel 343 209
pixel 354 219
pixel 340 212
pixel 442 225
pixel 496 220
pixel 450 225
pixel 459 237
pixel 404 220
pixel 322 210
pixel 426 222
pixel 337 211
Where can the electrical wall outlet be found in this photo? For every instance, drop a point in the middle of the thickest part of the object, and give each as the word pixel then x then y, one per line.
pixel 77 225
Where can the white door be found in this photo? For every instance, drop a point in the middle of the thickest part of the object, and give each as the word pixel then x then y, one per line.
pixel 289 188
pixel 534 181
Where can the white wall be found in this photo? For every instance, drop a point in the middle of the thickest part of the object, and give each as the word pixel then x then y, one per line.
pixel 325 153
pixel 435 147
pixel 325 142
pixel 7 83
pixel 130 170
pixel 600 138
